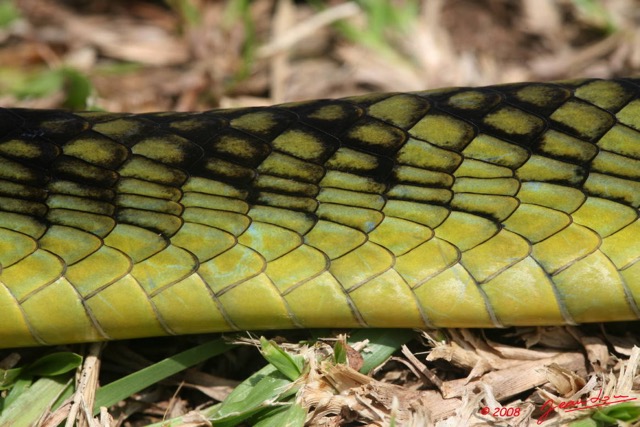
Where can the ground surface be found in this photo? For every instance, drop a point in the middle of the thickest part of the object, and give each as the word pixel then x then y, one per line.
pixel 185 55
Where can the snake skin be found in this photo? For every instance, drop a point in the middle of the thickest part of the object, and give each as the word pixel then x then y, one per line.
pixel 486 207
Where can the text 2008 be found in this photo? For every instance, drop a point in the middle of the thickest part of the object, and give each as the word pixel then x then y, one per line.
pixel 501 412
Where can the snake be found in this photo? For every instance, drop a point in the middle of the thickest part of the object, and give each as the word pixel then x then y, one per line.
pixel 496 206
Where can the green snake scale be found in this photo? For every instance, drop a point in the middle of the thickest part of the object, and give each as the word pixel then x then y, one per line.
pixel 461 207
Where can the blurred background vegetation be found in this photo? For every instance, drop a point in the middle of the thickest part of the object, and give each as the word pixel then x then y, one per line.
pixel 143 55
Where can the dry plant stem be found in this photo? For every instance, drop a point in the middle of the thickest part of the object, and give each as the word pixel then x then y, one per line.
pixel 173 402
pixel 54 419
pixel 87 384
pixel 421 368
pixel 284 19
pixel 215 387
pixel 572 62
pixel 511 381
pixel 286 39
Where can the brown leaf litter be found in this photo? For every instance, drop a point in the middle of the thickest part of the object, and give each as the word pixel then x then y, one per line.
pixel 469 379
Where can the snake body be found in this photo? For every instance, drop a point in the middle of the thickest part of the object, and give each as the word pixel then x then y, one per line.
pixel 462 207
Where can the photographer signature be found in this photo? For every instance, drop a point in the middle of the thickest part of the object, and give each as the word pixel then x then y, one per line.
pixel 577 405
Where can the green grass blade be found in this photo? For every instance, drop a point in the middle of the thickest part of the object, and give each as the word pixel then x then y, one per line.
pixel 25 405
pixel 125 387
pixel 184 420
pixel 289 365
pixel 288 416
pixel 247 399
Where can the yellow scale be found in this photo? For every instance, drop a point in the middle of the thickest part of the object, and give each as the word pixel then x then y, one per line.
pixel 488 207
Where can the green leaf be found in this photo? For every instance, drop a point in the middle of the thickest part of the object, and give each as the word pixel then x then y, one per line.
pixel 290 366
pixel 131 384
pixel 288 416
pixel 75 85
pixel 585 422
pixel 187 10
pixel 77 88
pixel 382 344
pixel 8 13
pixel 9 376
pixel 39 85
pixel 340 353
pixel 383 16
pixel 258 392
pixel 626 412
pixel 596 14
pixel 240 11
pixel 54 364
pixel 47 366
